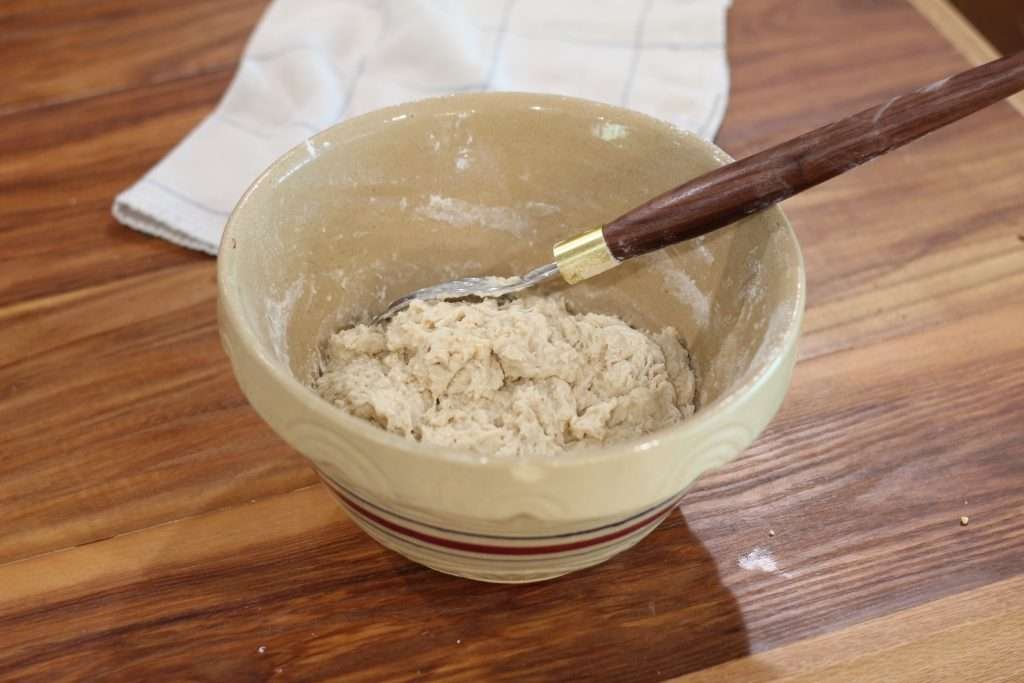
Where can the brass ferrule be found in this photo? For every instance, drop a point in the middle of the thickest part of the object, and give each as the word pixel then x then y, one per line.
pixel 583 256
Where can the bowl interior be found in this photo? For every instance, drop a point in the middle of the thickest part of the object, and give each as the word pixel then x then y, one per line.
pixel 486 184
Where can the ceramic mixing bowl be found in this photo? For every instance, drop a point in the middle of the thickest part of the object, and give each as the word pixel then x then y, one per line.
pixel 485 184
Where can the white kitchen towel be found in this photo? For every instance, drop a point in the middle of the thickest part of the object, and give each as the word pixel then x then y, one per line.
pixel 311 63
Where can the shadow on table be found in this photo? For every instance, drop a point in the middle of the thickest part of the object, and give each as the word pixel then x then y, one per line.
pixel 328 602
pixel 657 610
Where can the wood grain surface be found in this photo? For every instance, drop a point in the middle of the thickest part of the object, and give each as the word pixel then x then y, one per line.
pixel 84 49
pixel 154 527
pixel 948 20
pixel 972 636
pixel 748 185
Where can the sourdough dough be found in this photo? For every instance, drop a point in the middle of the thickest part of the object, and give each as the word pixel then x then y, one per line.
pixel 509 379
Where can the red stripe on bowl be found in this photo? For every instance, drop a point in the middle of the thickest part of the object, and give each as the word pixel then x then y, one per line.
pixel 504 550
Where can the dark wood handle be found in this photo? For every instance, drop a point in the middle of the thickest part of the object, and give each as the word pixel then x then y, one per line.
pixel 727 194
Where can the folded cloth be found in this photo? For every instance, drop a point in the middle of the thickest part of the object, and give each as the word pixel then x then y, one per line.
pixel 312 63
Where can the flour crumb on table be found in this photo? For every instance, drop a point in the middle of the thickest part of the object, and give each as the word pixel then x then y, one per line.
pixel 509 379
pixel 758 559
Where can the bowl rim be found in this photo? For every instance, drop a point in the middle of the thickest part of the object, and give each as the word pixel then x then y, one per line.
pixel 308 399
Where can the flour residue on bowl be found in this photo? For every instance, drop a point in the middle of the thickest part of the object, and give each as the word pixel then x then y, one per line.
pixel 686 290
pixel 773 334
pixel 775 323
pixel 279 315
pixel 542 208
pixel 463 214
pixel 683 287
pixel 703 253
pixel 748 333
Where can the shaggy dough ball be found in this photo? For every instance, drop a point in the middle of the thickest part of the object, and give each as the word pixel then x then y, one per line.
pixel 509 379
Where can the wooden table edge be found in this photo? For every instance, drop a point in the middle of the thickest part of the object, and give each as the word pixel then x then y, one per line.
pixel 980 626
pixel 962 35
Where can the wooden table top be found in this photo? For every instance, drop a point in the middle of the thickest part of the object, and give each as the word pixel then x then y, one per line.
pixel 153 525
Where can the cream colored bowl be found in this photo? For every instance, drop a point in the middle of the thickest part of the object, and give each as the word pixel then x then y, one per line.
pixel 485 184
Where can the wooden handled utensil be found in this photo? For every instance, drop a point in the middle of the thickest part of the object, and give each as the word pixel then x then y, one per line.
pixel 735 190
